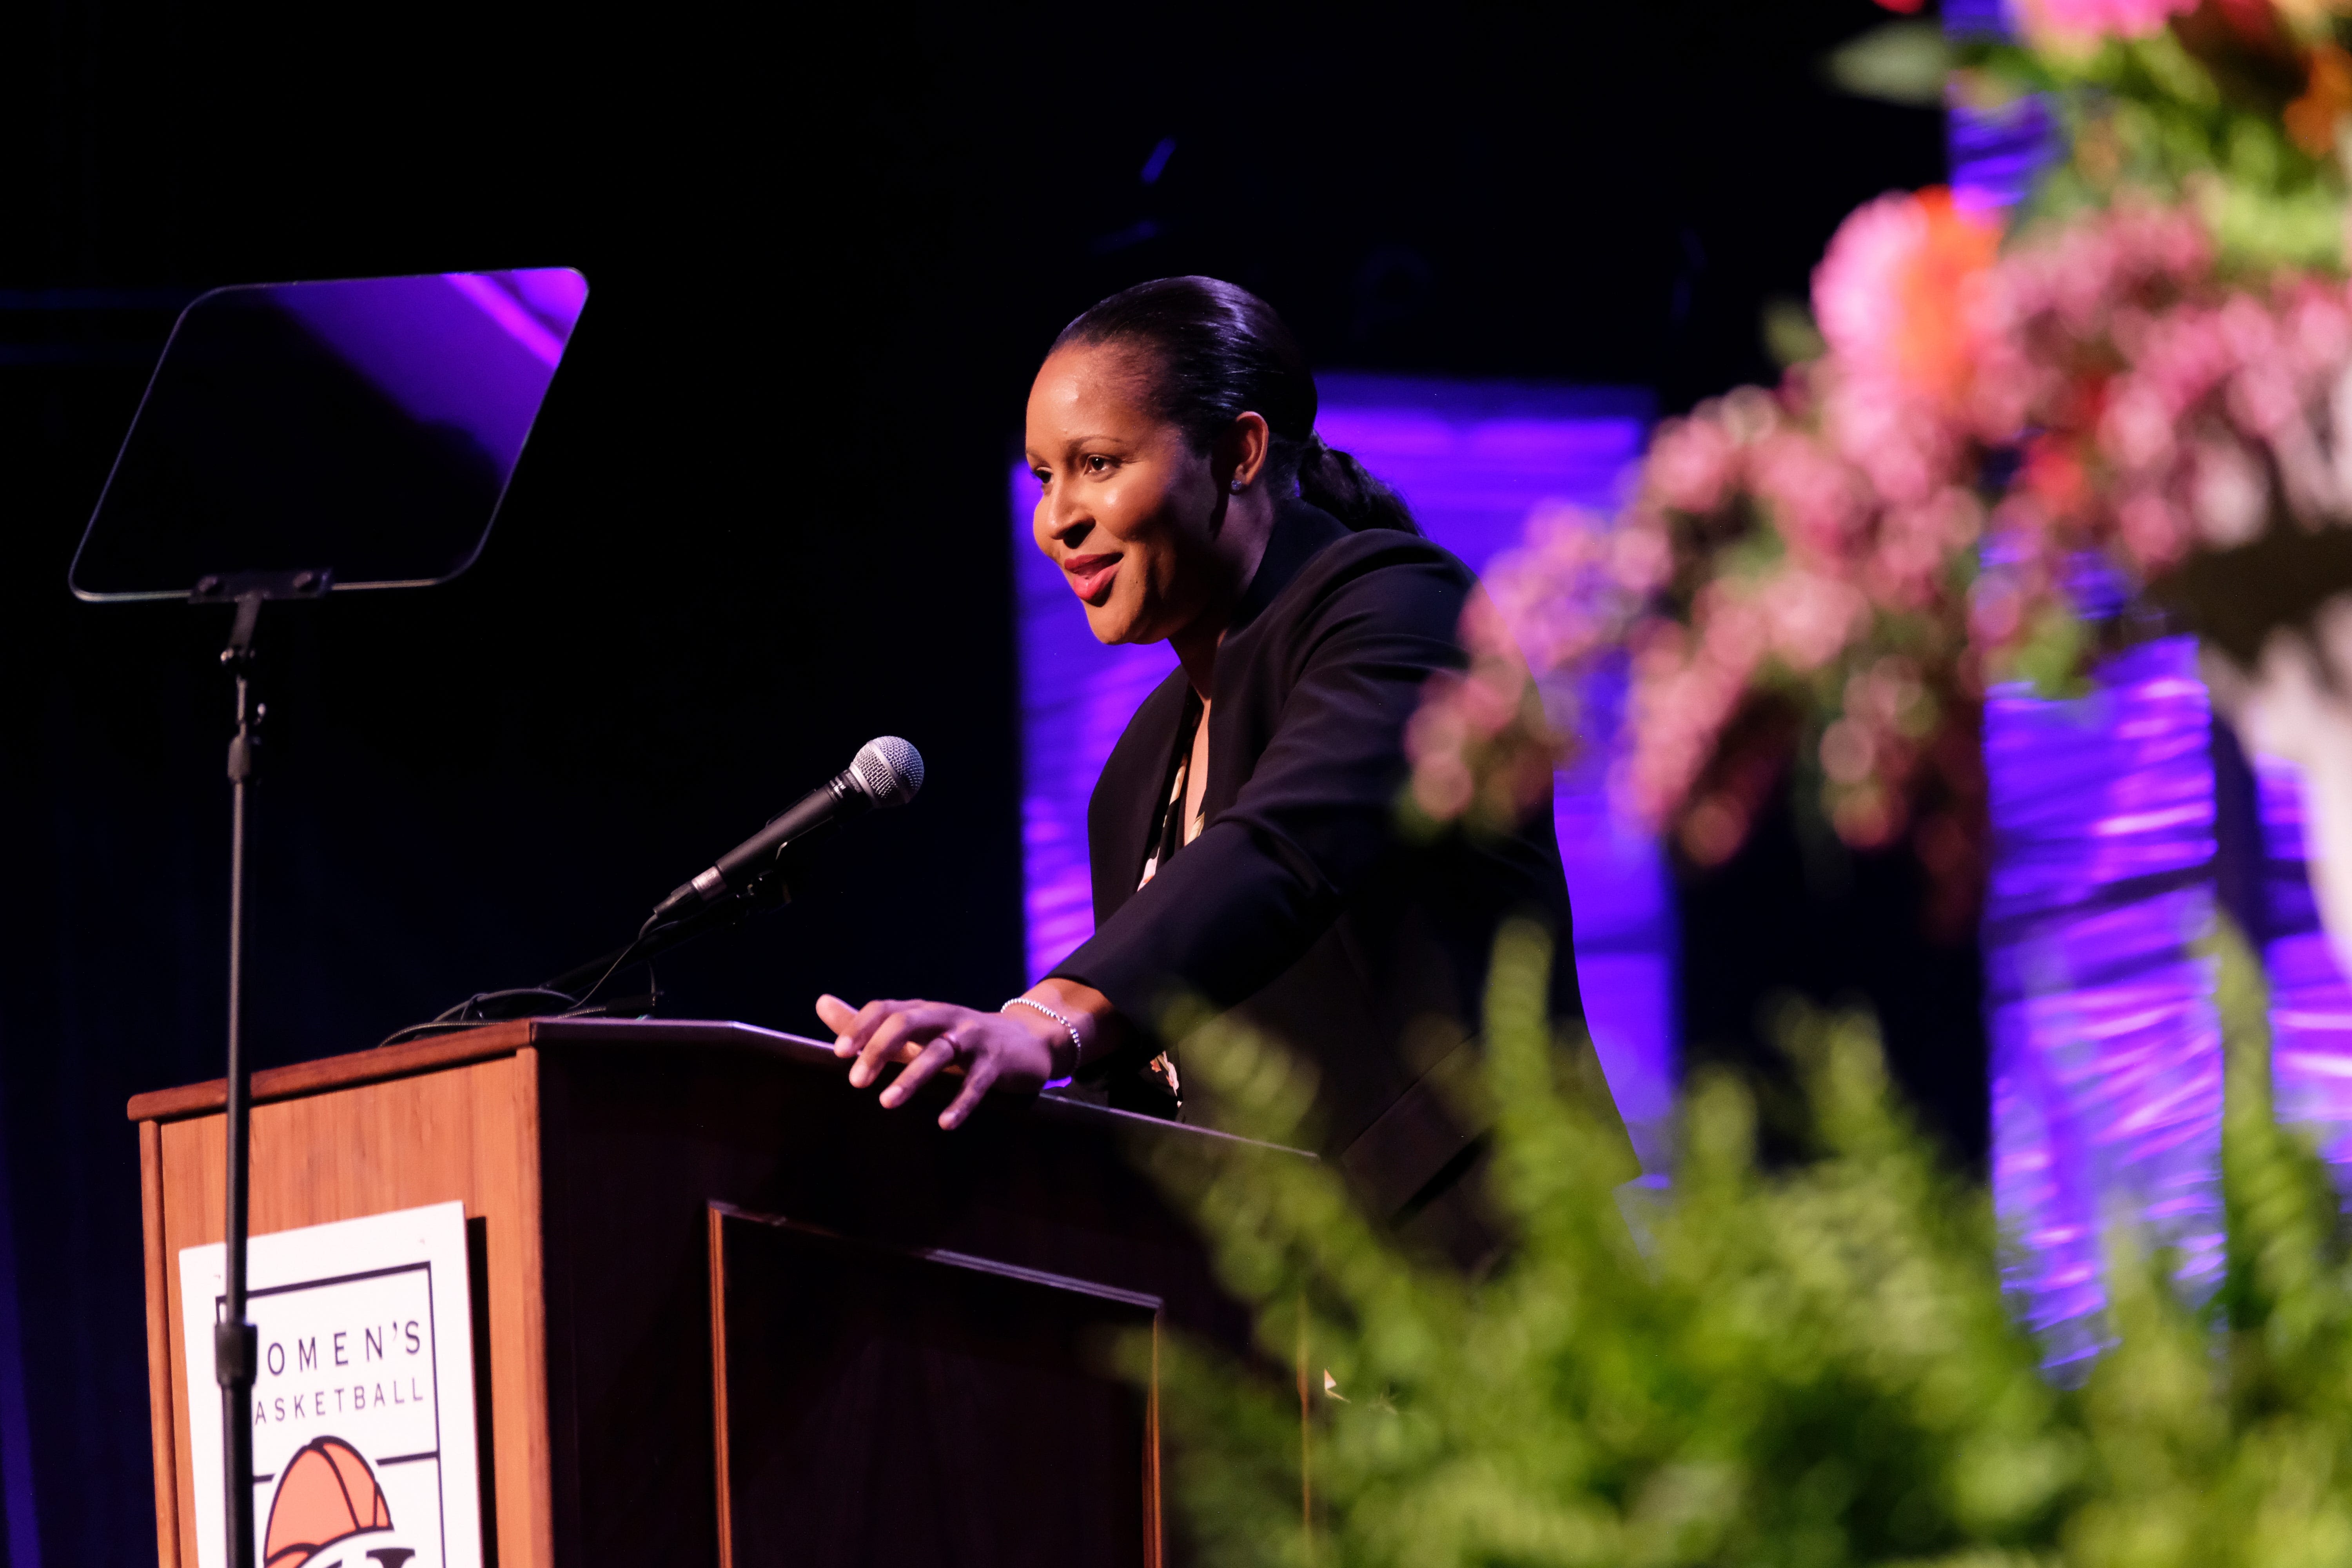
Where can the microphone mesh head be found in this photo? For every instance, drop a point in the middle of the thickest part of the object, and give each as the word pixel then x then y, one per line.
pixel 889 770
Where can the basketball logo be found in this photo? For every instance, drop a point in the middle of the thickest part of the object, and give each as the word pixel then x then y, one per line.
pixel 326 1494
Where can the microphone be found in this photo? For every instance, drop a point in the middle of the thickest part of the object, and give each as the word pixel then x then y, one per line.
pixel 886 772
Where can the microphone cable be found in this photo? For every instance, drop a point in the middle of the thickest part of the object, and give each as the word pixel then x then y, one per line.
pixel 626 953
pixel 469 1014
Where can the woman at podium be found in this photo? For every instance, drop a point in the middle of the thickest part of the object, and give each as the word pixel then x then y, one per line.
pixel 1241 836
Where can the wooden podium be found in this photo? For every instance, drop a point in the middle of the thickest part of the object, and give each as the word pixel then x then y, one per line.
pixel 726 1308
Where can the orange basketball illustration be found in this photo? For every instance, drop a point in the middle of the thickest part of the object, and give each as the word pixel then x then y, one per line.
pixel 325 1493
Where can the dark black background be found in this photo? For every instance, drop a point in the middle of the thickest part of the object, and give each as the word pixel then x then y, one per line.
pixel 763 516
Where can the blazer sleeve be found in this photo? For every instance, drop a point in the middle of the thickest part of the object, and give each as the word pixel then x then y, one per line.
pixel 1242 902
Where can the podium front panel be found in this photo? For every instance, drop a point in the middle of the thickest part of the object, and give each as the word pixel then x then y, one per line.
pixel 880 1405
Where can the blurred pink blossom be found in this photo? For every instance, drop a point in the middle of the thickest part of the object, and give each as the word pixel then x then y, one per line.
pixel 2077 24
pixel 1574 585
pixel 1818 500
pixel 1897 293
pixel 1641 557
pixel 1692 464
pixel 1482 745
pixel 1903 445
pixel 1856 303
pixel 2154 531
pixel 1917 544
pixel 2136 431
pixel 1811 617
pixel 2229 495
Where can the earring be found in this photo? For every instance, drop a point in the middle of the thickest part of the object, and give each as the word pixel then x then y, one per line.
pixel 1237 487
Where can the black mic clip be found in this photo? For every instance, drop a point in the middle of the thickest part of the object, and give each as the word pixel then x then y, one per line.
pixel 772 889
pixel 766 887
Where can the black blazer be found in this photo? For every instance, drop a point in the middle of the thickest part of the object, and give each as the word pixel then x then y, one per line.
pixel 1299 904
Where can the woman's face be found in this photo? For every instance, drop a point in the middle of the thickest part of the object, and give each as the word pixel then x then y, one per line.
pixel 1130 512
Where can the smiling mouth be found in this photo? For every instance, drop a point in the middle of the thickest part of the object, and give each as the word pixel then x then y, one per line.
pixel 1090 575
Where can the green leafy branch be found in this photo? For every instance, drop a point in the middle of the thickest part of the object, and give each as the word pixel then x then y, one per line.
pixel 1813 1365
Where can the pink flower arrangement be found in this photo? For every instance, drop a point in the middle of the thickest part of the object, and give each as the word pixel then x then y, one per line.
pixel 2165 411
pixel 1826 577
pixel 2110 391
pixel 1812 606
pixel 1797 578
pixel 1823 578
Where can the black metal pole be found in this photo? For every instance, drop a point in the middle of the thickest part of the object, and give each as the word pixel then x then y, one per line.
pixel 233 1340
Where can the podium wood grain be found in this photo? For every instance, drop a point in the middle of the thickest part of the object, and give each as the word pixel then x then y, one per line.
pixel 463 1125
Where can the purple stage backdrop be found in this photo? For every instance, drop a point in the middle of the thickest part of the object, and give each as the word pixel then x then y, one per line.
pixel 2311 1006
pixel 1472 459
pixel 2106 1051
pixel 2106 1090
pixel 1994 152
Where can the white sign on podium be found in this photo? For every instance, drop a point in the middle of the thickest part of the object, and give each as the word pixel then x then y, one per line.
pixel 363 1451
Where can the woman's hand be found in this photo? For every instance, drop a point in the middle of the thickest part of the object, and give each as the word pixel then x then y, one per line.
pixel 1019 1050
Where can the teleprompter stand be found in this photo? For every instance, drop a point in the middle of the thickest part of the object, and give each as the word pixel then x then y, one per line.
pixel 298 439
pixel 234 1357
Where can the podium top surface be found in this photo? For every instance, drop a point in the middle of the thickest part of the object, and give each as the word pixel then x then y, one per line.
pixel 489 1041
pixel 480 1044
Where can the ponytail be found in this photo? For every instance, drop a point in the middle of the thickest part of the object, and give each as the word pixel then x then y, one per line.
pixel 1330 479
pixel 1217 352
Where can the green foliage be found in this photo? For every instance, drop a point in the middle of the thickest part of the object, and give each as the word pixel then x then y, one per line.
pixel 1790 334
pixel 1811 1366
pixel 2151 118
pixel 1904 62
pixel 2223 1436
pixel 2053 655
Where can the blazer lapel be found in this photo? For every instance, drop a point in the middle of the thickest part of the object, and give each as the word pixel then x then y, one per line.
pixel 1126 796
pixel 1241 720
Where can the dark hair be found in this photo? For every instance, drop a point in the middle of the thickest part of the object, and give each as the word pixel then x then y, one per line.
pixel 1217 352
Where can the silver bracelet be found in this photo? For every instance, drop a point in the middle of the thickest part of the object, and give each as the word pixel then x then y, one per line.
pixel 1077 1048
